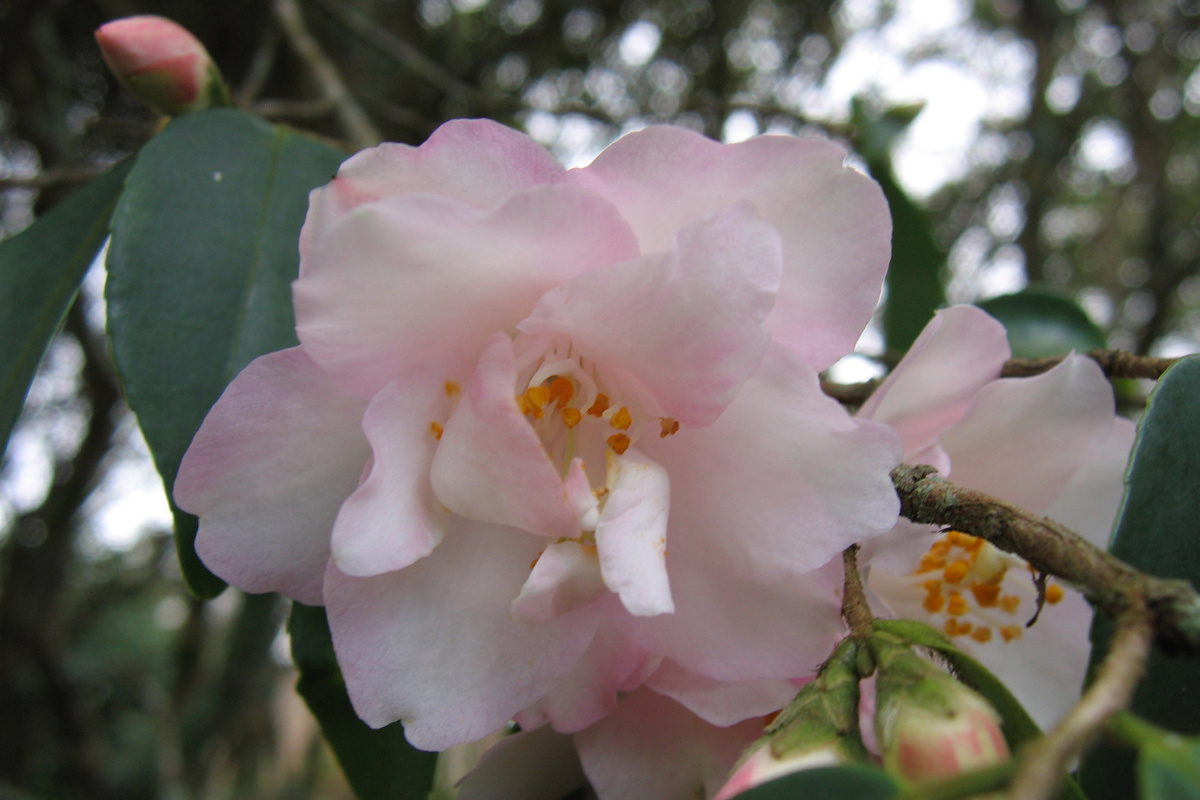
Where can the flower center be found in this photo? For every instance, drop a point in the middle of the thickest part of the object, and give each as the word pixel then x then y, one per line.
pixel 966 581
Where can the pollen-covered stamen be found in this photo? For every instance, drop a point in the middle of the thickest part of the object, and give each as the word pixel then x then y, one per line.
pixel 436 429
pixel 966 579
pixel 601 405
pixel 669 426
pixel 621 419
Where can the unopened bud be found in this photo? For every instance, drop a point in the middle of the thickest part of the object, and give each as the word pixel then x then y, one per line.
pixel 161 63
pixel 818 729
pixel 928 724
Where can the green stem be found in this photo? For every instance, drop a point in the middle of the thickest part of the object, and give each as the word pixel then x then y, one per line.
pixel 968 784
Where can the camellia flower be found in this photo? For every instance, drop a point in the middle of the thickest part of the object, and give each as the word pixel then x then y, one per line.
pixel 162 63
pixel 553 435
pixel 1051 444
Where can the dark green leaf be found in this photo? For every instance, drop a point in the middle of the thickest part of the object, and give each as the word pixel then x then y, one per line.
pixel 914 278
pixel 203 253
pixel 1170 770
pixel 1156 532
pixel 828 783
pixel 40 272
pixel 1042 323
pixel 380 764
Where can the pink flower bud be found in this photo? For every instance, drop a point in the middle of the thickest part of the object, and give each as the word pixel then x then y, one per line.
pixel 927 742
pixel 161 63
pixel 762 765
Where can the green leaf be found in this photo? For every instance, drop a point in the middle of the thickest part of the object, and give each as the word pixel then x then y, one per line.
pixel 1156 532
pixel 914 278
pixel 203 252
pixel 828 783
pixel 40 271
pixel 1042 323
pixel 1170 770
pixel 380 764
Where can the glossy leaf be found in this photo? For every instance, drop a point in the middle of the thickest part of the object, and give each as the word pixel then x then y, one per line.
pixel 1041 323
pixel 1156 532
pixel 1170 770
pixel 828 783
pixel 203 253
pixel 379 764
pixel 40 272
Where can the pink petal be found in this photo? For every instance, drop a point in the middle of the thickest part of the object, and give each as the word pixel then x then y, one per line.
pixel 960 351
pixel 410 279
pixel 267 471
pixel 1025 438
pixel 477 162
pixel 613 663
pixel 834 221
pixel 652 748
pixel 433 644
pixel 784 480
pixel 393 518
pixel 632 535
pixel 565 577
pixel 718 702
pixel 490 465
pixel 689 324
pixel 1089 503
pixel 531 765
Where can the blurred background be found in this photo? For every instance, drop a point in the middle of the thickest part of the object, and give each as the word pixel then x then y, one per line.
pixel 1023 144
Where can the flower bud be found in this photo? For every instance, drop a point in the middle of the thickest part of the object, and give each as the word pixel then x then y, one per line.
pixel 818 729
pixel 929 725
pixel 161 63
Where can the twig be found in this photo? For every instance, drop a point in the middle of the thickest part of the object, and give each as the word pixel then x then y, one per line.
pixel 260 67
pixel 358 127
pixel 1108 583
pixel 1042 765
pixel 855 609
pixel 1115 363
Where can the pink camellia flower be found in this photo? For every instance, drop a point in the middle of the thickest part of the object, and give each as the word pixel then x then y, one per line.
pixel 1051 444
pixel 551 435
pixel 161 62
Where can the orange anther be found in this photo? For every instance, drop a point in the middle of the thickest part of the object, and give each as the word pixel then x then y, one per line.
pixel 1010 632
pixel 621 420
pixel 951 627
pixel 619 442
pixel 982 634
pixel 561 391
pixel 940 548
pixel 436 429
pixel 931 561
pixel 958 605
pixel 956 572
pixel 452 388
pixel 571 416
pixel 600 406
pixel 1054 594
pixel 669 426
pixel 934 602
pixel 533 563
pixel 1010 603
pixel 933 587
pixel 538 396
pixel 986 594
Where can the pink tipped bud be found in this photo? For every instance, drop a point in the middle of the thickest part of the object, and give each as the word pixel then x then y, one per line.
pixel 161 63
pixel 762 766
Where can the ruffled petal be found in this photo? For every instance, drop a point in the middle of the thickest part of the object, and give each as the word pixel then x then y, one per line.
pixel 410 279
pixel 631 538
pixel 689 324
pixel 652 748
pixel 1025 438
pixel 834 220
pixel 474 161
pixel 565 577
pixel 267 471
pixel 1089 503
pixel 718 702
pixel 490 465
pixel 442 626
pixel 785 479
pixel 531 765
pixel 961 350
pixel 393 518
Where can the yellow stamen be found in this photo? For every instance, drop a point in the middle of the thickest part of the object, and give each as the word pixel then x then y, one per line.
pixel 619 442
pixel 621 420
pixel 669 426
pixel 1010 632
pixel 982 634
pixel 934 602
pixel 436 429
pixel 986 594
pixel 931 561
pixel 571 416
pixel 538 397
pixel 956 572
pixel 1054 594
pixel 1010 603
pixel 958 605
pixel 452 388
pixel 600 406
pixel 561 391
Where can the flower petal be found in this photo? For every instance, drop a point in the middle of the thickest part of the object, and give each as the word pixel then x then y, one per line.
pixel 443 625
pixel 490 465
pixel 565 577
pixel 1089 503
pixel 272 462
pixel 632 535
pixel 530 765
pixel 785 479
pixel 719 702
pixel 834 221
pixel 410 279
pixel 961 350
pixel 393 518
pixel 688 324
pixel 1056 421
pixel 652 748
